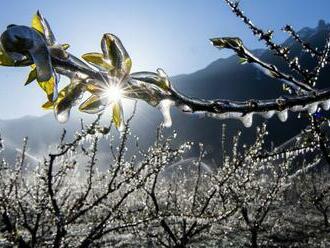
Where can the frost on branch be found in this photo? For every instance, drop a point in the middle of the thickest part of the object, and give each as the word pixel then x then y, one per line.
pixel 156 198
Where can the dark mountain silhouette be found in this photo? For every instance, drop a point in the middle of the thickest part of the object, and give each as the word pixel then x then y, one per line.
pixel 224 78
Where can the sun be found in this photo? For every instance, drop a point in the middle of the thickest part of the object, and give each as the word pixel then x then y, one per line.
pixel 114 93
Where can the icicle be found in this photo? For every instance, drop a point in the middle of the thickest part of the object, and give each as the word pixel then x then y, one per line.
pixel 267 114
pixel 283 115
pixel 312 108
pixel 63 116
pixel 165 107
pixel 247 119
pixel 326 104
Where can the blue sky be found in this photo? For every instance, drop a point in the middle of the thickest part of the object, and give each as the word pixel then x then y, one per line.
pixel 171 34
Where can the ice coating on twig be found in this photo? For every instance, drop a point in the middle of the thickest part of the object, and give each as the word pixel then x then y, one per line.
pixel 165 108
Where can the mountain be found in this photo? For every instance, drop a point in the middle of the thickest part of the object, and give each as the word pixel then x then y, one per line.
pixel 224 78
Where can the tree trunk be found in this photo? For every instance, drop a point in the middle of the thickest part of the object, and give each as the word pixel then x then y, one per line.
pixel 254 238
pixel 325 219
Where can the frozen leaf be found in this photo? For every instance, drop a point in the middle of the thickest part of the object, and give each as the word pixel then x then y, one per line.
pixel 50 88
pixel 164 82
pixel 48 105
pixel 97 60
pixel 115 52
pixel 5 60
pixel 41 58
pixel 117 115
pixel 36 23
pixel 24 44
pixel 93 105
pixel 67 98
pixel 227 42
pixel 40 24
pixel 32 75
pixel 93 89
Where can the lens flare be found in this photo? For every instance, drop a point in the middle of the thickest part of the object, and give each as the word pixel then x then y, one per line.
pixel 114 93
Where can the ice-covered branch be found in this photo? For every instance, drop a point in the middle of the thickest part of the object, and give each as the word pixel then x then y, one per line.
pixel 106 77
pixel 308 48
pixel 282 52
pixel 246 56
pixel 245 110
